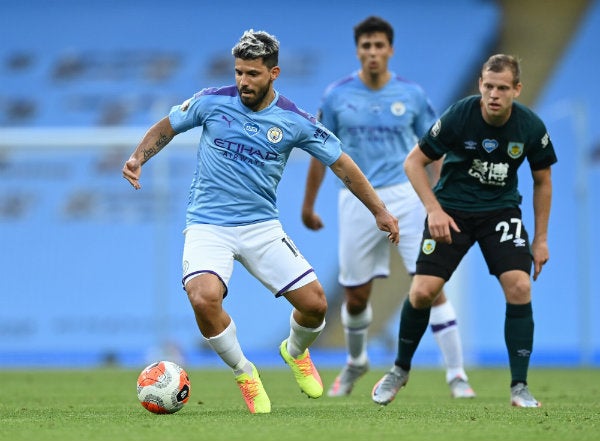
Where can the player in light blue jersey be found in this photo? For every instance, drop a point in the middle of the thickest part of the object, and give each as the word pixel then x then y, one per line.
pixel 248 132
pixel 378 116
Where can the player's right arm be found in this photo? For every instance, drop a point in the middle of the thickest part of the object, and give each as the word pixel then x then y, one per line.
pixel 440 223
pixel 155 139
pixel 353 178
pixel 314 179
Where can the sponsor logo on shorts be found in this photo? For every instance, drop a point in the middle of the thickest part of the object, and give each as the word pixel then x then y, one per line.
pixel 519 242
pixel 428 246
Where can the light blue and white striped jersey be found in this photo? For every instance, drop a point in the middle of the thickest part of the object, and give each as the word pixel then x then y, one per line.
pixel 378 128
pixel 242 154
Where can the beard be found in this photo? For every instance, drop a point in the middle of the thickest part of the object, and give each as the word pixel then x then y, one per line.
pixel 256 98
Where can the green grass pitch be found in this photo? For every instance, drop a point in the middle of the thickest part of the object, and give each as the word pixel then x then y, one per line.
pixel 101 404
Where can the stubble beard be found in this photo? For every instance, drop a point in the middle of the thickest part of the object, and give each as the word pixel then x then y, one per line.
pixel 254 101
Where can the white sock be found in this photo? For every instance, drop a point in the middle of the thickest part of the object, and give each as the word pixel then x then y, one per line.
pixel 445 330
pixel 356 328
pixel 227 346
pixel 300 337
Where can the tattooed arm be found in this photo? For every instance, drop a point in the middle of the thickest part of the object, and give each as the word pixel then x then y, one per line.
pixel 157 137
pixel 355 181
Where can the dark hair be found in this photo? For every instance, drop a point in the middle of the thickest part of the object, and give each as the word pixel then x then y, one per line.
pixel 257 44
pixel 501 62
pixel 374 24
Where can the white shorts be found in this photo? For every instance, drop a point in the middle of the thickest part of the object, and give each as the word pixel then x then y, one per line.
pixel 364 250
pixel 263 248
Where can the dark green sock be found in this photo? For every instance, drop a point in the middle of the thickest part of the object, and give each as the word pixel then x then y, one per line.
pixel 518 335
pixel 413 324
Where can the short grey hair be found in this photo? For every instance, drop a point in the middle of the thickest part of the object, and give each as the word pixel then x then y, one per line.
pixel 257 44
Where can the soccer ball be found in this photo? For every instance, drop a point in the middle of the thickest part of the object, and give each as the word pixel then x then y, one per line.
pixel 163 387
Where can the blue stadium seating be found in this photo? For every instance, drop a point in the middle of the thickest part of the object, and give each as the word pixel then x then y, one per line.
pixel 125 63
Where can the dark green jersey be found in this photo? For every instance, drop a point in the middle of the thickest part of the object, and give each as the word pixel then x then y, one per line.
pixel 479 172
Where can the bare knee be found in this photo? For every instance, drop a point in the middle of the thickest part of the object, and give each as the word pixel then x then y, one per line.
pixel 206 298
pixel 357 298
pixel 315 306
pixel 310 304
pixel 202 302
pixel 517 287
pixel 205 292
pixel 424 290
pixel 420 298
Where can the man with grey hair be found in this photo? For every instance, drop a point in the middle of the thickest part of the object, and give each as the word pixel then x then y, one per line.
pixel 248 133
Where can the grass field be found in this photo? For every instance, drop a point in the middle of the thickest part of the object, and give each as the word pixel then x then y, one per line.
pixel 101 404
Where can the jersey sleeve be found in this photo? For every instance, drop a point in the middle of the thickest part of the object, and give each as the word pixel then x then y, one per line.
pixel 542 154
pixel 326 115
pixel 426 116
pixel 321 143
pixel 188 114
pixel 440 138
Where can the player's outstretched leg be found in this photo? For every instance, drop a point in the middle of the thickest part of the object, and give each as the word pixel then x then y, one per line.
pixel 304 371
pixel 254 393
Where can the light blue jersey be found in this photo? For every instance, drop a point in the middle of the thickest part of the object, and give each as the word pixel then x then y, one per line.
pixel 378 128
pixel 242 154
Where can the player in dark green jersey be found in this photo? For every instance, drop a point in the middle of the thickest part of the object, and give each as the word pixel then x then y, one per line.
pixel 483 139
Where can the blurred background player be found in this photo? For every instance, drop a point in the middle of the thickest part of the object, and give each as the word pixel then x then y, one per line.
pixel 378 116
pixel 484 139
pixel 248 133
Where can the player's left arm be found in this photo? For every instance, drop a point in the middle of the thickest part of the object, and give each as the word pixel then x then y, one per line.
pixel 155 139
pixel 353 178
pixel 434 170
pixel 542 200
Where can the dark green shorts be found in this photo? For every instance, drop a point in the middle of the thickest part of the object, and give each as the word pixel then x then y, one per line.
pixel 501 236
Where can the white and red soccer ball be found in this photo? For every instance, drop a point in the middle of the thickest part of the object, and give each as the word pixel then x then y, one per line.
pixel 163 387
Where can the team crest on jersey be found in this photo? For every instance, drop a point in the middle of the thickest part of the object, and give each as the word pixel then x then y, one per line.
pixel 489 145
pixel 435 130
pixel 515 149
pixel 251 128
pixel 428 246
pixel 274 135
pixel 398 108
